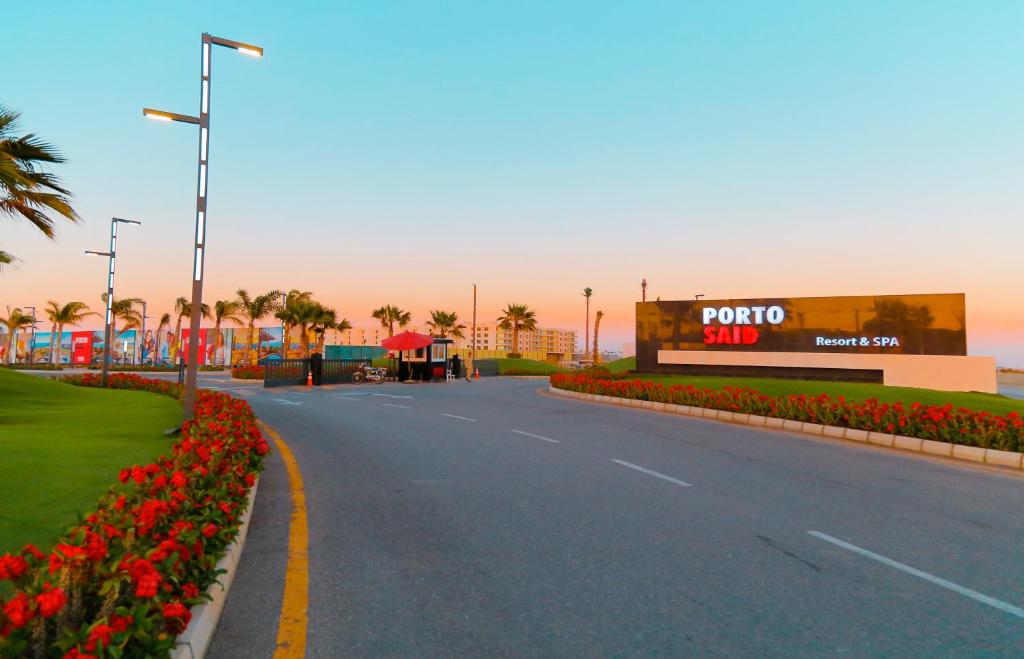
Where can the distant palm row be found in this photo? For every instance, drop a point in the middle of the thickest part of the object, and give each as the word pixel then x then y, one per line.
pixel 297 310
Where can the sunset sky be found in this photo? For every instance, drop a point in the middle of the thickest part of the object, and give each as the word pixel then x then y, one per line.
pixel 398 152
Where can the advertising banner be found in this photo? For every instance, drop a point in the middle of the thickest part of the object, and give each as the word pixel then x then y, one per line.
pixel 81 348
pixel 265 341
pixel 927 324
pixel 185 338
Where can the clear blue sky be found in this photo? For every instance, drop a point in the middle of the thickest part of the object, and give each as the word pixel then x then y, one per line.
pixel 729 148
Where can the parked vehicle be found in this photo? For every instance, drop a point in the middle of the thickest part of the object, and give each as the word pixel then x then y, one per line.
pixel 369 374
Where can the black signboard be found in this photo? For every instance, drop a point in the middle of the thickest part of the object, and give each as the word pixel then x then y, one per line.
pixel 927 324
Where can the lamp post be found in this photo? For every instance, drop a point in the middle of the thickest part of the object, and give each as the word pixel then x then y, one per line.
pixel 112 256
pixel 141 343
pixel 472 349
pixel 32 341
pixel 284 331
pixel 203 121
pixel 698 296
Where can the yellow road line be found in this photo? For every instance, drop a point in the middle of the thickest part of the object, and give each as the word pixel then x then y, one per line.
pixel 291 626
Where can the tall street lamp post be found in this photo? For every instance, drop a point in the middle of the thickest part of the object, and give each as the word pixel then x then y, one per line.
pixel 112 256
pixel 32 341
pixel 141 342
pixel 284 331
pixel 203 121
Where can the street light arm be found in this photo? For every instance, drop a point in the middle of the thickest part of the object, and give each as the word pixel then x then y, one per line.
pixel 95 253
pixel 118 219
pixel 161 115
pixel 244 48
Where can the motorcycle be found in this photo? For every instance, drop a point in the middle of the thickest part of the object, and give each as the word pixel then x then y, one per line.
pixel 369 374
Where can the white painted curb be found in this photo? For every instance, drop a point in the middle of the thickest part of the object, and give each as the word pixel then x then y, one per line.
pixel 195 640
pixel 955 451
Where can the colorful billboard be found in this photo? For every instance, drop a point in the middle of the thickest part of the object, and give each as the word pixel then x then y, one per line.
pixel 927 324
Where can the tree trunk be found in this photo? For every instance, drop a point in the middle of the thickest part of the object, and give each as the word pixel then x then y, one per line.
pixel 586 331
pixel 53 330
pixel 597 328
pixel 515 338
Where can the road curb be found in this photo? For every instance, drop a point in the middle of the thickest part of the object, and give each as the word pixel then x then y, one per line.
pixel 956 452
pixel 195 640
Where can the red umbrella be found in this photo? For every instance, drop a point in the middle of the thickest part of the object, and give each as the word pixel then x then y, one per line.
pixel 407 341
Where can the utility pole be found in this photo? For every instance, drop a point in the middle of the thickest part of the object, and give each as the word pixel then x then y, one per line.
pixel 472 349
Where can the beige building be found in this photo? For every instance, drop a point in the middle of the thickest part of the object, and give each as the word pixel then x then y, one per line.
pixel 370 335
pixel 544 343
pixel 553 343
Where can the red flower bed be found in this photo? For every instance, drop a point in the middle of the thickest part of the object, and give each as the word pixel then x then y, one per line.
pixel 957 425
pixel 248 372
pixel 127 381
pixel 122 582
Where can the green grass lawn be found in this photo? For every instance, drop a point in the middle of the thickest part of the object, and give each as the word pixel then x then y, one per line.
pixel 851 390
pixel 61 447
pixel 540 368
pixel 620 365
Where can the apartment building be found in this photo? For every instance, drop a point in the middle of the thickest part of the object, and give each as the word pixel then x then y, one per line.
pixel 555 343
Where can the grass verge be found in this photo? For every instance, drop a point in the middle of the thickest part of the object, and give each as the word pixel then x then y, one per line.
pixel 62 447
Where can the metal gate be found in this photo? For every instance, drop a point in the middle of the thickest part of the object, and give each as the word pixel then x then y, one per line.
pixel 338 371
pixel 285 372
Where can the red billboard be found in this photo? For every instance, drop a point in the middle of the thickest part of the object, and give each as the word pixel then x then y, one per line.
pixel 81 347
pixel 202 344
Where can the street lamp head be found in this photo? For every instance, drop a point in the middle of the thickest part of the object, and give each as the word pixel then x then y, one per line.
pixel 95 253
pixel 168 117
pixel 244 48
pixel 118 219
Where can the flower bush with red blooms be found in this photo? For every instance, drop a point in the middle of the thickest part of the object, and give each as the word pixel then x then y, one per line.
pixel 122 583
pixel 956 425
pixel 127 381
pixel 248 372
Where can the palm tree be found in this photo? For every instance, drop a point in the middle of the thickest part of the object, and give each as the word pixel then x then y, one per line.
pixel 14 321
pixel 597 327
pixel 183 308
pixel 60 315
pixel 292 300
pixel 444 323
pixel 389 314
pixel 343 325
pixel 587 293
pixel 302 314
pixel 252 308
pixel 224 310
pixel 126 311
pixel 165 321
pixel 25 190
pixel 517 317
pixel 324 319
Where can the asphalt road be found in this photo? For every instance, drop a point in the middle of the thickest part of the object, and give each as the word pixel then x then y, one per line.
pixel 485 519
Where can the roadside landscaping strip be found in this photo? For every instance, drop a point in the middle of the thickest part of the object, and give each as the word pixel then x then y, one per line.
pixel 128 579
pixel 1010 459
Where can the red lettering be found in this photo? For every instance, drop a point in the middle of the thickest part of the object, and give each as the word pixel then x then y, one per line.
pixel 750 335
pixel 724 336
pixel 709 334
